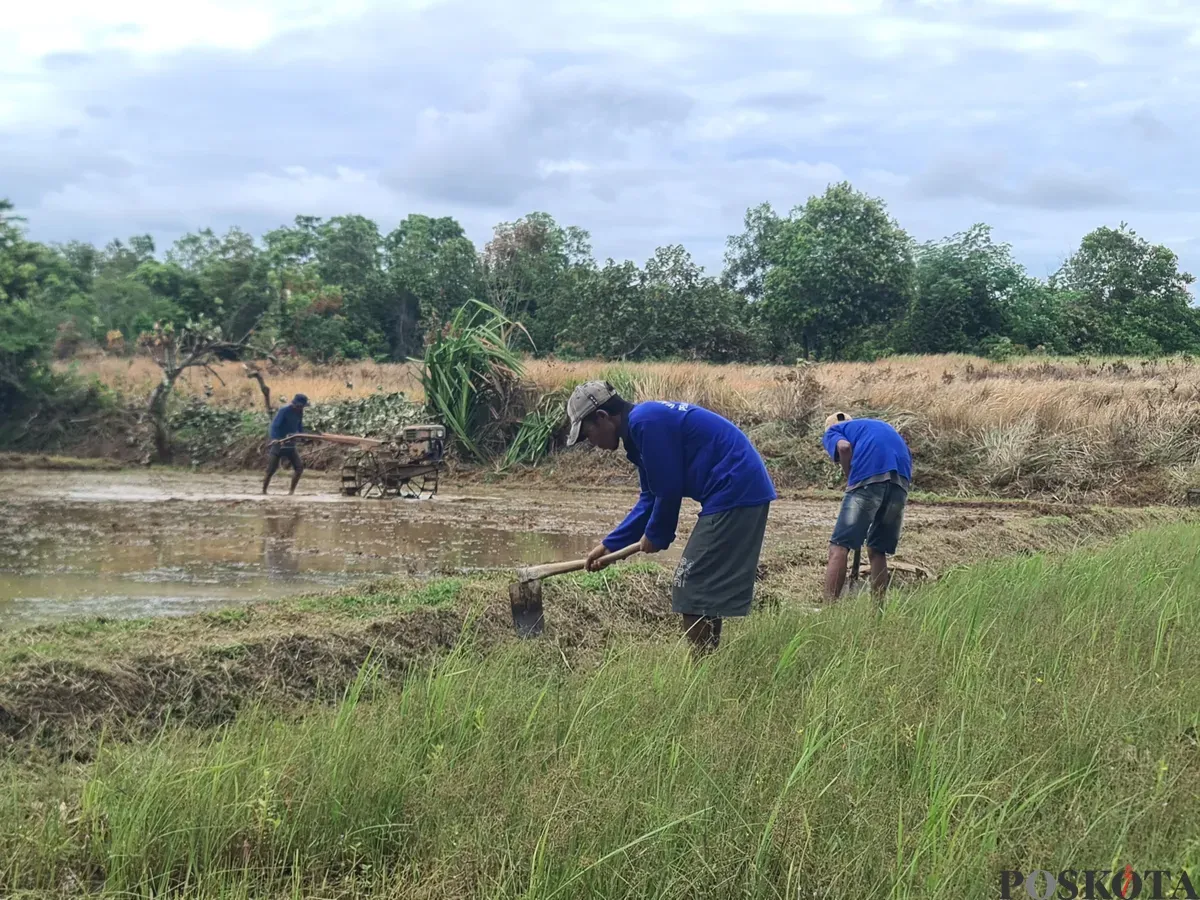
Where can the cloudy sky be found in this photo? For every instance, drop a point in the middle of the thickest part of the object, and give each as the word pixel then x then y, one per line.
pixel 645 121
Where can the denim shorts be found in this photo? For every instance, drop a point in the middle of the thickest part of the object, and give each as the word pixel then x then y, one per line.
pixel 872 514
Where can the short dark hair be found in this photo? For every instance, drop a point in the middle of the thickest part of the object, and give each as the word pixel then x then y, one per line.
pixel 616 405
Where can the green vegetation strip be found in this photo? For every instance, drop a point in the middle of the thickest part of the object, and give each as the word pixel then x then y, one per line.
pixel 1024 714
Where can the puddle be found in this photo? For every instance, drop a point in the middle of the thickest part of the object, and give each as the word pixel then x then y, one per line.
pixel 163 543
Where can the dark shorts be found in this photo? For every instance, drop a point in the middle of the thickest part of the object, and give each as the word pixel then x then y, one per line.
pixel 872 514
pixel 291 454
pixel 715 576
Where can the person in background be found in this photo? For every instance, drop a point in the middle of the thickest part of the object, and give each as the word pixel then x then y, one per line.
pixel 878 469
pixel 683 450
pixel 287 422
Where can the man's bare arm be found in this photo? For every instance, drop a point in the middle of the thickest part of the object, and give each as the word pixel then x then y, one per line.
pixel 844 454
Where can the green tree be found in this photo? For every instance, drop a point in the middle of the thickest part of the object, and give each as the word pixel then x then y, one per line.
pixel 694 316
pixel 349 256
pixel 840 263
pixel 1036 315
pixel 1126 296
pixel 231 276
pixel 130 306
pixel 937 320
pixel 668 309
pixel 529 268
pixel 965 287
pixel 748 255
pixel 434 271
pixel 608 314
pixel 36 283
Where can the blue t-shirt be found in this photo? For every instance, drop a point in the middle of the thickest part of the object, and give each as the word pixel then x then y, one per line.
pixel 878 450
pixel 683 450
pixel 289 420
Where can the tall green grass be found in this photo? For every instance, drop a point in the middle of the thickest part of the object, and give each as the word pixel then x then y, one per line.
pixel 1030 714
pixel 533 439
pixel 470 373
pixel 472 378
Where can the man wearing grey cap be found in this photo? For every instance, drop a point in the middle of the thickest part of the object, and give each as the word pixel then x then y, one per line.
pixel 683 450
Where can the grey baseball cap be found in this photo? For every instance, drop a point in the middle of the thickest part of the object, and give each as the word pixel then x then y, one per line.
pixel 585 400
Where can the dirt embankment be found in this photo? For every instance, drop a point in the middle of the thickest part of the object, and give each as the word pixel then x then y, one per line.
pixel 42 462
pixel 209 669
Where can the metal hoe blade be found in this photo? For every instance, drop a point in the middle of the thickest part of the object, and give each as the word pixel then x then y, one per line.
pixel 526 599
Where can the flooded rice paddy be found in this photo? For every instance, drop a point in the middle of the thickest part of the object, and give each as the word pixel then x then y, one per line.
pixel 167 542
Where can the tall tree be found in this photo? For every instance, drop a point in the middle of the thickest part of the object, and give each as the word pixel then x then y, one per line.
pixel 965 287
pixel 608 314
pixel 839 263
pixel 694 315
pixel 231 274
pixel 528 267
pixel 669 308
pixel 1129 295
pixel 433 268
pixel 748 255
pixel 349 254
pixel 36 285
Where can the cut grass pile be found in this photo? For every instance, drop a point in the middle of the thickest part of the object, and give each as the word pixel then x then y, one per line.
pixel 1034 713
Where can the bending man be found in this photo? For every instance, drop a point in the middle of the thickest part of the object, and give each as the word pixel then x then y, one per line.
pixel 878 468
pixel 682 450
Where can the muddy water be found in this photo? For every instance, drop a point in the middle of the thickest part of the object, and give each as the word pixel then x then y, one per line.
pixel 155 543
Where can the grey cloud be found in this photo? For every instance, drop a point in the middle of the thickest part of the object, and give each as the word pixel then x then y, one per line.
pixel 1030 19
pixel 492 152
pixel 1150 127
pixel 783 100
pixel 1068 190
pixel 1047 189
pixel 35 167
pixel 655 129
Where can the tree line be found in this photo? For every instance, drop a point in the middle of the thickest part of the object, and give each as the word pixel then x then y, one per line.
pixel 835 278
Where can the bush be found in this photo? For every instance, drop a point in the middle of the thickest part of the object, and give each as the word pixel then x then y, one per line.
pixel 472 376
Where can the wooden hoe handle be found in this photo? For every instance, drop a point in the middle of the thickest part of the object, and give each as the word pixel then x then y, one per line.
pixel 533 573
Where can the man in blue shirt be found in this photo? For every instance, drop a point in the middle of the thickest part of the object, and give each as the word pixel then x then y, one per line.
pixel 878 468
pixel 682 450
pixel 287 422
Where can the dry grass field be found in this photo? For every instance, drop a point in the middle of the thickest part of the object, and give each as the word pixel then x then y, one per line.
pixel 1119 429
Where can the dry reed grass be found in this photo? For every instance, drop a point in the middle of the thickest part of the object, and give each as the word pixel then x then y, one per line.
pixel 1057 426
pixel 136 377
pixel 948 392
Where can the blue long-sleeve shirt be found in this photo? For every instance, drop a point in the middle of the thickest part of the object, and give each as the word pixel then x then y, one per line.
pixel 289 420
pixel 682 450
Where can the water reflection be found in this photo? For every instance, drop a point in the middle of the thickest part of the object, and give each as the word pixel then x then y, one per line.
pixel 80 552
pixel 279 545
